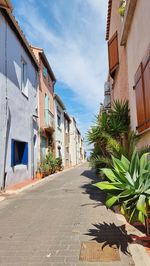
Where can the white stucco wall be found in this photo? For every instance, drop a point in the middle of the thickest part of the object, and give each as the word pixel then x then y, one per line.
pixel 59 131
pixel 137 44
pixel 73 143
pixel 21 108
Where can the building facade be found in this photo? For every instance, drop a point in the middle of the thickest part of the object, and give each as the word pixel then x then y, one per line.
pixel 73 142
pixel 129 61
pixel 59 128
pixel 67 122
pixel 18 102
pixel 45 104
pixel 76 144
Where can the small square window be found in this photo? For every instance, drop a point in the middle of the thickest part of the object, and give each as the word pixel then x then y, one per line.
pixel 19 153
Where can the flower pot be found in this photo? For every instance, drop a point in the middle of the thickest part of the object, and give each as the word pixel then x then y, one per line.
pixel 39 175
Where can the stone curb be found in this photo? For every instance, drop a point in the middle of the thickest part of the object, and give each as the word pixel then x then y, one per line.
pixel 138 252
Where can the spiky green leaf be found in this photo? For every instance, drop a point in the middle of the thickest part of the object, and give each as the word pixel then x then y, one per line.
pixel 141 217
pixel 111 200
pixel 141 204
pixel 108 186
pixel 109 173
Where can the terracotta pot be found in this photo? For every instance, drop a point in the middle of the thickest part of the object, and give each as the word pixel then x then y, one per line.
pixel 39 175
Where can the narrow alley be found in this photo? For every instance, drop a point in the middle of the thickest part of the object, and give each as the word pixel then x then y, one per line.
pixel 48 224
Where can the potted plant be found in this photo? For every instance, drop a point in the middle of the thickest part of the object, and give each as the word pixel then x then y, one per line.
pixel 51 162
pixel 129 186
pixel 39 172
pixel 59 163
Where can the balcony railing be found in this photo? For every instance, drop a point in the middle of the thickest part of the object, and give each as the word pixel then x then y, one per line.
pixel 49 119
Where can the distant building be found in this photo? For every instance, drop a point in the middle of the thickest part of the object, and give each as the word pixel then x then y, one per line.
pixel 129 61
pixel 59 128
pixel 82 150
pixel 67 122
pixel 76 144
pixel 45 104
pixel 73 142
pixel 18 102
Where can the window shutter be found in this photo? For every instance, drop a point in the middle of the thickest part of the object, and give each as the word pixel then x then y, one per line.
pixel 25 154
pixel 113 54
pixel 146 81
pixel 140 103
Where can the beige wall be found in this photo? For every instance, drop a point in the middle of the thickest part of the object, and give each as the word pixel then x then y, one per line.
pixel 120 87
pixel 137 44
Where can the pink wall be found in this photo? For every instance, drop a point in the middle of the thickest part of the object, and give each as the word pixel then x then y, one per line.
pixel 130 56
pixel 120 88
pixel 137 44
pixel 44 88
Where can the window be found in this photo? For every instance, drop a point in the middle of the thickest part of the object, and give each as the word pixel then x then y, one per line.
pixel 58 120
pixel 59 152
pixel 113 54
pixel 19 152
pixel 24 85
pixel 142 93
pixel 45 72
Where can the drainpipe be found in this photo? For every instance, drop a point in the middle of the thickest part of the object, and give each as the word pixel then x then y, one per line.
pixel 6 114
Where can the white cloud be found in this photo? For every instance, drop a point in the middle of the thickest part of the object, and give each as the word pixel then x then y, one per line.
pixel 76 51
pixel 75 46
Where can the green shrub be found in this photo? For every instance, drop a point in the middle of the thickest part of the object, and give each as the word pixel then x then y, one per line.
pixel 128 185
pixel 59 163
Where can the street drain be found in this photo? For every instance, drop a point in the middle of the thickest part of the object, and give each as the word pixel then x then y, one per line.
pixel 94 252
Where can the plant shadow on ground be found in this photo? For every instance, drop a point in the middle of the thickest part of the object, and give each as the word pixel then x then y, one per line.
pixel 111 235
pixel 95 194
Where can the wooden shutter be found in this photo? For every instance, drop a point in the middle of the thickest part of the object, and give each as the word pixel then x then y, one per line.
pixel 146 82
pixel 113 54
pixel 140 102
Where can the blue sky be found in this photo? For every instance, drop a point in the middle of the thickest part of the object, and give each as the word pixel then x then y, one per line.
pixel 72 33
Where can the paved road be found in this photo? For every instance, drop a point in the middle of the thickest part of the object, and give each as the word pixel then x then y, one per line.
pixel 46 224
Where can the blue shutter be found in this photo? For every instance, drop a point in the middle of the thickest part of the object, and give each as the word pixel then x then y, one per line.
pixel 25 155
pixel 12 152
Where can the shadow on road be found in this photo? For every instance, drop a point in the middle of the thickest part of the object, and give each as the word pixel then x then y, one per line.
pixel 91 174
pixel 111 235
pixel 94 193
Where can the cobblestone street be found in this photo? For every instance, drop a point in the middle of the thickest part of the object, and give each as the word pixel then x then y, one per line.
pixel 47 224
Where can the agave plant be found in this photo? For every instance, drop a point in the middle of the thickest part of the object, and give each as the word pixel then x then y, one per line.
pixel 129 186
